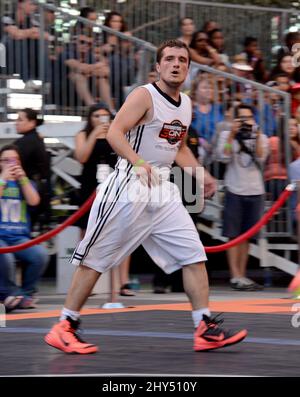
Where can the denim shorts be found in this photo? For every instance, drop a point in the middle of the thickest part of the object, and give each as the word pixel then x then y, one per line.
pixel 241 213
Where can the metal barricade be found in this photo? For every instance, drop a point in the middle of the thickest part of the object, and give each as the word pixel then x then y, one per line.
pixel 155 20
pixel 75 63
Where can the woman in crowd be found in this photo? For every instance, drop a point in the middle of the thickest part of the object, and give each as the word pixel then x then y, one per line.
pixel 16 193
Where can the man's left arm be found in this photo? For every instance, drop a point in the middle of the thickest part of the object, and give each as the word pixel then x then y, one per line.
pixel 188 162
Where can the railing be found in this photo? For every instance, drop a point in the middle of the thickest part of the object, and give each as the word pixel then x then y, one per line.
pixel 155 20
pixel 78 64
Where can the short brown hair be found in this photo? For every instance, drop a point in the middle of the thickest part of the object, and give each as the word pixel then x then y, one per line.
pixel 171 43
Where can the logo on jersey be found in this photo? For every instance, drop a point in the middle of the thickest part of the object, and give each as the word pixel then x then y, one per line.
pixel 173 132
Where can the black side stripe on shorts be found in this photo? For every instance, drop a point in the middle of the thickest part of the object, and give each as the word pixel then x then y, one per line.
pixel 106 195
pixel 120 189
pixel 102 207
pixel 76 255
pixel 103 220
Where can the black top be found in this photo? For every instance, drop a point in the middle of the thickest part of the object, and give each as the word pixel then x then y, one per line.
pixel 34 157
pixel 101 154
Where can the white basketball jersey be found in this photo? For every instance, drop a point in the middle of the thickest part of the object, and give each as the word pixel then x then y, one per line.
pixel 158 140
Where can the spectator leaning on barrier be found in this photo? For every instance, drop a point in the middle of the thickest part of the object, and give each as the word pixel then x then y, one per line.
pixel 285 65
pixel 187 28
pixel 282 81
pixel 290 39
pixel 244 149
pixel 16 192
pixel 89 75
pixel 217 41
pixel 121 57
pixel 22 37
pixel 255 58
pixel 201 52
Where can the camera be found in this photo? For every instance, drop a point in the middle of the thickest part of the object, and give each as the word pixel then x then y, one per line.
pixel 246 131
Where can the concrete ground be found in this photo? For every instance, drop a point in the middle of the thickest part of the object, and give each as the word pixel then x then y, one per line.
pixel 153 334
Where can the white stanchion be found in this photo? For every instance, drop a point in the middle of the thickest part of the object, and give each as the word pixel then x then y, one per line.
pixel 66 242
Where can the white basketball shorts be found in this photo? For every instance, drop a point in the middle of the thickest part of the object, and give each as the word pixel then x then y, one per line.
pixel 126 214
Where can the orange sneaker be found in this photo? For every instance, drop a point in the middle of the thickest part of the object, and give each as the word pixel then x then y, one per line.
pixel 209 335
pixel 63 337
pixel 294 286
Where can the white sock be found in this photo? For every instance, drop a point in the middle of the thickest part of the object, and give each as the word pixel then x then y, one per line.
pixel 198 315
pixel 69 313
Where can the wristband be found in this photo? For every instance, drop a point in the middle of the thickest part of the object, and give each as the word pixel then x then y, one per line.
pixel 228 146
pixel 24 181
pixel 138 163
pixel 2 182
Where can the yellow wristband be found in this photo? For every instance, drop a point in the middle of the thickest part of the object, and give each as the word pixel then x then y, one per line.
pixel 24 181
pixel 138 163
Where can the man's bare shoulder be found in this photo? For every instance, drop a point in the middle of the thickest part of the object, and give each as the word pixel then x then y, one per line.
pixel 138 94
pixel 140 102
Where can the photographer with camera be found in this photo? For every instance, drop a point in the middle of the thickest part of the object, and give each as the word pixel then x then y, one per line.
pixel 244 149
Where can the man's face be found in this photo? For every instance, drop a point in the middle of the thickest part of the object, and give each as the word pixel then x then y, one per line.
pixel 283 83
pixel 252 47
pixel 246 116
pixel 173 66
pixel 84 44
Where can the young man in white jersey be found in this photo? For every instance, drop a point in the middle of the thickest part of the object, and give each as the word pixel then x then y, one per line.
pixel 138 205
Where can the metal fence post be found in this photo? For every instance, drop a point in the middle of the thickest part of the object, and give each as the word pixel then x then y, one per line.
pixel 42 54
pixel 182 10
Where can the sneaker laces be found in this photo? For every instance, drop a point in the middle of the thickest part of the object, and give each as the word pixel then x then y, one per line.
pixel 213 321
pixel 75 329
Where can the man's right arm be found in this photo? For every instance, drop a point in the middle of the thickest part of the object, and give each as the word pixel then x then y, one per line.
pixel 133 112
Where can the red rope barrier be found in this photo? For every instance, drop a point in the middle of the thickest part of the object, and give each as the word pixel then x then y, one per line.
pixel 85 207
pixel 254 229
pixel 73 218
